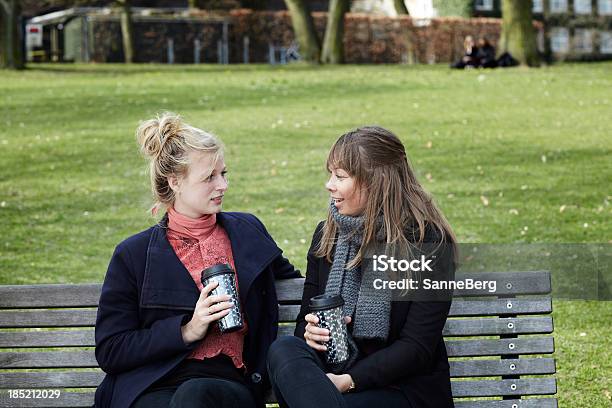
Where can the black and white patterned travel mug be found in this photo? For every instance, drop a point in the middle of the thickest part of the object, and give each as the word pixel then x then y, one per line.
pixel 328 308
pixel 226 277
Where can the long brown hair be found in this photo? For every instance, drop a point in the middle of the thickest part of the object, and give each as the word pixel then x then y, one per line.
pixel 376 158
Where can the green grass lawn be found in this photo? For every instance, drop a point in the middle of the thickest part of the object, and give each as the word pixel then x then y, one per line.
pixel 511 156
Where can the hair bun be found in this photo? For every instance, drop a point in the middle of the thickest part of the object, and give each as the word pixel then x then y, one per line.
pixel 154 134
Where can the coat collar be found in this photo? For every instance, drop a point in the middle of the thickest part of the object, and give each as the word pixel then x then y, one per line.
pixel 168 284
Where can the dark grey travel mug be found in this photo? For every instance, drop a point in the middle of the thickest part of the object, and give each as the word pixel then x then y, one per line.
pixel 328 308
pixel 226 277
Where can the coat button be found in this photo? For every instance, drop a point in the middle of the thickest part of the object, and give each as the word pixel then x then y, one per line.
pixel 256 378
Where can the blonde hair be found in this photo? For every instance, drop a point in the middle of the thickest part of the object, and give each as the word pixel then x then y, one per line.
pixel 166 142
pixel 468 40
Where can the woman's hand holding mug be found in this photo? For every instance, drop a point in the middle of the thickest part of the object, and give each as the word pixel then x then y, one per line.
pixel 208 309
pixel 315 335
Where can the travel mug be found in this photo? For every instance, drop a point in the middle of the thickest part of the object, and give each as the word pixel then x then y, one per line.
pixel 226 277
pixel 328 308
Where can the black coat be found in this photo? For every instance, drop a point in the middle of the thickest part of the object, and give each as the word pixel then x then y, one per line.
pixel 486 56
pixel 148 294
pixel 414 357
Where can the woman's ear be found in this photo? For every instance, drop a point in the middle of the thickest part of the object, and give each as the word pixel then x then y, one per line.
pixel 174 183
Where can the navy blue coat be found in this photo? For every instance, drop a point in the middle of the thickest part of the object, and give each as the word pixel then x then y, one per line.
pixel 148 295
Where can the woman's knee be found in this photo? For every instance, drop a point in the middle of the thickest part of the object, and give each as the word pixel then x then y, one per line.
pixel 155 399
pixel 222 393
pixel 283 348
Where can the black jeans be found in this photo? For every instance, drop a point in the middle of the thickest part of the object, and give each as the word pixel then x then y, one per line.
pixel 299 380
pixel 199 393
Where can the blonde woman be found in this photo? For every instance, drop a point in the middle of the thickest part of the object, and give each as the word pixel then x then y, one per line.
pixel 470 57
pixel 156 336
pixel 397 355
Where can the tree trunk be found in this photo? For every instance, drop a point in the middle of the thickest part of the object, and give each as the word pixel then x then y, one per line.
pixel 333 46
pixel 127 31
pixel 2 35
pixel 400 8
pixel 518 34
pixel 304 29
pixel 12 44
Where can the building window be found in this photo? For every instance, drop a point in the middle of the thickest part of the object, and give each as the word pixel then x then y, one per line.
pixel 483 5
pixel 604 7
pixel 559 40
pixel 538 6
pixel 582 6
pixel 583 40
pixel 558 6
pixel 605 42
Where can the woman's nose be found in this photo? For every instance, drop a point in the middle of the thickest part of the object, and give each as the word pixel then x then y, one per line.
pixel 222 184
pixel 330 185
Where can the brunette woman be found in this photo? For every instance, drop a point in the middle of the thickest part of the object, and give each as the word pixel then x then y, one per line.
pixel 397 354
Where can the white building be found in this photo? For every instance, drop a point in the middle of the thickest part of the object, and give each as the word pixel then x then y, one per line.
pixel 419 9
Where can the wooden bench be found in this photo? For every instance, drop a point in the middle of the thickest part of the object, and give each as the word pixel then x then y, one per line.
pixel 499 331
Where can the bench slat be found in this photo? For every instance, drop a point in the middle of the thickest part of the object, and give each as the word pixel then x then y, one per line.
pixel 42 339
pixel 464 327
pixel 493 326
pixel 51 359
pixel 465 308
pixel 494 307
pixel 455 348
pixel 486 368
pixel 66 399
pixel 47 318
pixel 55 379
pixel 488 347
pixel 287 313
pixel 32 296
pixel 289 290
pixel 489 388
pixel 522 403
pixel 82 379
pixel 504 347
pixel 508 283
pixel 478 327
pixel 286 330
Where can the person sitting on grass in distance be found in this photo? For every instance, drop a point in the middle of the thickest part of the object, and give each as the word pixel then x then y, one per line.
pixel 470 58
pixel 486 54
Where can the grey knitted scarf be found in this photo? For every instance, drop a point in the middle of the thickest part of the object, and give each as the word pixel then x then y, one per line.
pixel 369 308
